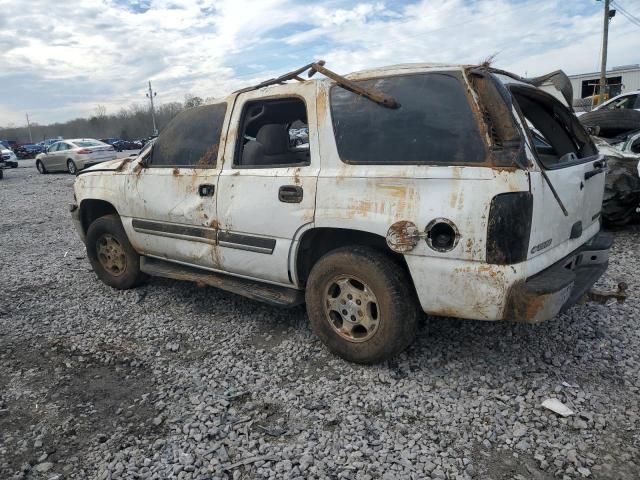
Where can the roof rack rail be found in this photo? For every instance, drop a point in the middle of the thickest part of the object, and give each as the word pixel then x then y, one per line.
pixel 293 75
pixel 372 94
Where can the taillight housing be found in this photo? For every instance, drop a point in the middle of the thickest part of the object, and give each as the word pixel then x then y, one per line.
pixel 84 151
pixel 509 228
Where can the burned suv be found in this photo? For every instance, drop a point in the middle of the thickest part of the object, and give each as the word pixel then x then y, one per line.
pixel 417 187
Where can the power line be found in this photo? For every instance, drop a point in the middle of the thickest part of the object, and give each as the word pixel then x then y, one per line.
pixel 628 15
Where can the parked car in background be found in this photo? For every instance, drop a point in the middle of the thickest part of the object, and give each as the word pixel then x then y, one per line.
pixel 29 150
pixel 8 157
pixel 113 142
pixel 73 155
pixel 614 117
pixel 47 143
pixel 621 202
pixel 628 101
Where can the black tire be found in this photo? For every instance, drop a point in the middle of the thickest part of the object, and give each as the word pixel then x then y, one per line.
pixel 71 167
pixel 102 230
pixel 40 167
pixel 396 306
pixel 1 174
pixel 612 122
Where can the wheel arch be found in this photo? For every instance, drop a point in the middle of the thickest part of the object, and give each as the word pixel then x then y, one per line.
pixel 316 242
pixel 92 209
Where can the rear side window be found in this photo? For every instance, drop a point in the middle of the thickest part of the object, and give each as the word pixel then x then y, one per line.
pixel 191 138
pixel 434 124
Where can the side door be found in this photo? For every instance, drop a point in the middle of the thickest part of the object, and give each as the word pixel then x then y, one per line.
pixel 170 208
pixel 569 160
pixel 63 153
pixel 267 188
pixel 52 157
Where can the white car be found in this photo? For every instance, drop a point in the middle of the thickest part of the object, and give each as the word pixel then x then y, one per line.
pixel 419 188
pixel 8 157
pixel 628 100
pixel 74 155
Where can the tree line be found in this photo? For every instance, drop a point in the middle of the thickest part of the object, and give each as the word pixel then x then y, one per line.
pixel 128 123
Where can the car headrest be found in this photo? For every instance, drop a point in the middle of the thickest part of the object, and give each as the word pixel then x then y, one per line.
pixel 274 137
pixel 252 153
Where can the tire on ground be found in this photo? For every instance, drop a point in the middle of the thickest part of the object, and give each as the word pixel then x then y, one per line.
pixel 40 167
pixel 612 122
pixel 101 228
pixel 398 308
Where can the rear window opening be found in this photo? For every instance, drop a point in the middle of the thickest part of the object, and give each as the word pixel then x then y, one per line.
pixel 558 138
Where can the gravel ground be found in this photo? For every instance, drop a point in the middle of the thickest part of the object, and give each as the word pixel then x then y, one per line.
pixel 171 380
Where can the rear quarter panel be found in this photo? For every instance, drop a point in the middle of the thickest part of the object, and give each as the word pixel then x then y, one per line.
pixel 371 198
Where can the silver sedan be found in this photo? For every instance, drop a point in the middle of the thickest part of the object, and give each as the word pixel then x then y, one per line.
pixel 73 155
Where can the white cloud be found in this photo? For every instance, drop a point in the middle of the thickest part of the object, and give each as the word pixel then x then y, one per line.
pixel 60 59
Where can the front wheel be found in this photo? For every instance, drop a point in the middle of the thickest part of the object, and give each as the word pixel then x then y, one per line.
pixel 40 167
pixel 361 304
pixel 71 167
pixel 112 257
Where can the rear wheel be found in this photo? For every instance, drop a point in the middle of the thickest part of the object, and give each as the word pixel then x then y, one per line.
pixel 1 174
pixel 71 167
pixel 40 167
pixel 361 304
pixel 113 258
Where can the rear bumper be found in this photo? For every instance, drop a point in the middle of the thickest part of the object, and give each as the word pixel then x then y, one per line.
pixel 558 287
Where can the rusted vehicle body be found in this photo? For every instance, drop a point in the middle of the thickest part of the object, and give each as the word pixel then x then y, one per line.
pixel 621 203
pixel 420 188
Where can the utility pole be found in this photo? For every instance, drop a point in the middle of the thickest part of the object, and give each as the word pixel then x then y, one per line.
pixel 603 65
pixel 150 96
pixel 29 127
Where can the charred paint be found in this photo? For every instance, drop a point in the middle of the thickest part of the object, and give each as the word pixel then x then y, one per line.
pixel 209 158
pixel 403 236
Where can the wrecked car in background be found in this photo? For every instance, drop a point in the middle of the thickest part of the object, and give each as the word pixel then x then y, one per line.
pixel 621 203
pixel 417 187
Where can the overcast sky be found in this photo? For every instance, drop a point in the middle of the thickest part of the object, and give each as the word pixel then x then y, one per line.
pixel 61 58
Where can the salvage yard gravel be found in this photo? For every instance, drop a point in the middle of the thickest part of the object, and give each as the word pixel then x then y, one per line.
pixel 173 380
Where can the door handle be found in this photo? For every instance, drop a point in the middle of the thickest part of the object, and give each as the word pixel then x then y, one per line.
pixel 593 173
pixel 598 167
pixel 206 190
pixel 290 194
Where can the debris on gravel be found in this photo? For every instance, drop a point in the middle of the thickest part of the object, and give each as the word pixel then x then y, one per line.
pixel 172 380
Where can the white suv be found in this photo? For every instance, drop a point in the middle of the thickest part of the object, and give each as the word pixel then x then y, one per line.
pixel 419 187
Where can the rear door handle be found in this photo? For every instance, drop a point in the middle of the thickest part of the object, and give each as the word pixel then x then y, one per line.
pixel 593 173
pixel 290 194
pixel 598 167
pixel 206 190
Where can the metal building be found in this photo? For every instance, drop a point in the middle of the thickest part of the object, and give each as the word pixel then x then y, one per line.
pixel 622 79
pixel 625 78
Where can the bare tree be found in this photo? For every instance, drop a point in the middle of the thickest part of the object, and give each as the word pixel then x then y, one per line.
pixel 128 123
pixel 191 101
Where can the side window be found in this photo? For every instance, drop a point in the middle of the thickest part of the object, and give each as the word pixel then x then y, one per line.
pixel 273 133
pixel 626 102
pixel 434 124
pixel 191 139
pixel 56 147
